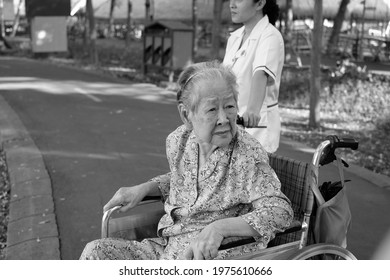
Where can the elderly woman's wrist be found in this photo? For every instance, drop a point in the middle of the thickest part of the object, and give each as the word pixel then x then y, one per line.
pixel 219 227
pixel 149 188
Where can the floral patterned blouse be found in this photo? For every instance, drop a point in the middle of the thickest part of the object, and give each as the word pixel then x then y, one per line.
pixel 235 181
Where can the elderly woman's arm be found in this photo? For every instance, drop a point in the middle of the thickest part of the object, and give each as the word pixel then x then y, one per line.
pixel 129 197
pixel 271 213
pixel 205 247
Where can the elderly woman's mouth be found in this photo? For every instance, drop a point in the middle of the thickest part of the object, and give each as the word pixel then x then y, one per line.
pixel 222 132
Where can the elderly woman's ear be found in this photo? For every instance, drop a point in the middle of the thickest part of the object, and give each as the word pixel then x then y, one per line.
pixel 184 115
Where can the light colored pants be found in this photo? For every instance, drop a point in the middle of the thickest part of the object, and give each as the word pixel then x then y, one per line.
pixel 269 137
pixel 154 249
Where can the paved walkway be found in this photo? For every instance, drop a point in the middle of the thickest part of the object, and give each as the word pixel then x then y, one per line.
pixel 33 234
pixel 32 228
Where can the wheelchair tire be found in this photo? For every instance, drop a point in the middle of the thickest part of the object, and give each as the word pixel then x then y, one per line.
pixel 322 252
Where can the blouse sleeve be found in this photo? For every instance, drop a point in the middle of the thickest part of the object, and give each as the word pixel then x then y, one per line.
pixel 272 211
pixel 163 182
pixel 172 147
pixel 267 56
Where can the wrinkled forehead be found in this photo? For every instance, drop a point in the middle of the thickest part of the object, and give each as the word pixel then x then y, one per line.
pixel 216 99
pixel 216 89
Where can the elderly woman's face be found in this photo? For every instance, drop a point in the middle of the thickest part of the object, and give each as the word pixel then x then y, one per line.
pixel 214 120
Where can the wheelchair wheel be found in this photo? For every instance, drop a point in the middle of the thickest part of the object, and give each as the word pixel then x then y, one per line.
pixel 322 252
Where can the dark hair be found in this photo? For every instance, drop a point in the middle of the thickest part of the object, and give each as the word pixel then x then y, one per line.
pixel 271 9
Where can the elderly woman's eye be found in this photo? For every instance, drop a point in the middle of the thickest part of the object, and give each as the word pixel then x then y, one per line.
pixel 211 109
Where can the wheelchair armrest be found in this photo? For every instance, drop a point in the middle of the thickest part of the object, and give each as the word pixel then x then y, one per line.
pixel 105 221
pixel 121 224
pixel 231 242
pixel 294 227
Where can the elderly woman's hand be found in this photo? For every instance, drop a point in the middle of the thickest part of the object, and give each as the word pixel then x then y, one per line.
pixel 205 246
pixel 129 197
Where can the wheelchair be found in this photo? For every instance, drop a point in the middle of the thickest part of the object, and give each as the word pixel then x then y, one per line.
pixel 295 243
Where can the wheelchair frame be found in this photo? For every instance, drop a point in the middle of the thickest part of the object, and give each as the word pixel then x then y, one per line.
pixel 297 181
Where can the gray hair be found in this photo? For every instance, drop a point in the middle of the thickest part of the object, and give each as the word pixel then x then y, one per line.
pixel 202 72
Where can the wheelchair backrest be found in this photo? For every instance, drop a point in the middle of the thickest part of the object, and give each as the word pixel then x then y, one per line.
pixel 293 175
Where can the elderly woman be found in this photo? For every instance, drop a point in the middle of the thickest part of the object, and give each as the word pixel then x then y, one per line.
pixel 220 183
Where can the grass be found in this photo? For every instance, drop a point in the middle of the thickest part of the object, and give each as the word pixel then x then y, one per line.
pixel 4 204
pixel 353 104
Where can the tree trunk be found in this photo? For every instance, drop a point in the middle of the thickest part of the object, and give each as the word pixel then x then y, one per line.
pixel 288 24
pixel 361 33
pixel 289 18
pixel 111 26
pixel 2 27
pixel 195 23
pixel 315 79
pixel 149 10
pixel 92 34
pixel 338 24
pixel 128 23
pixel 216 30
pixel 17 19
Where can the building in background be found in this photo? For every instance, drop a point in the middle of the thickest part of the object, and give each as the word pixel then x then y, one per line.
pixel 48 23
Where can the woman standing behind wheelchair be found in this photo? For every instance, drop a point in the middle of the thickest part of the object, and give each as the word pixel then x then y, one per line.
pixel 256 54
pixel 220 183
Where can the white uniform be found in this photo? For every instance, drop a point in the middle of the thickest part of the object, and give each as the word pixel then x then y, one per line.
pixel 263 50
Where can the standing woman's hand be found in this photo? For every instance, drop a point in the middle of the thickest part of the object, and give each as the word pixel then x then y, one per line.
pixel 251 118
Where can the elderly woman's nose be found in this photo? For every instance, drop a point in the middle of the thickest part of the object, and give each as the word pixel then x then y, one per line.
pixel 222 117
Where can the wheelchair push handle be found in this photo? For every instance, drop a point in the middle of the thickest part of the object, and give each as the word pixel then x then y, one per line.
pixel 332 143
pixel 240 121
pixel 343 142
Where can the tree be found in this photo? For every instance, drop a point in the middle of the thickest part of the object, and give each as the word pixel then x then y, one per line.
pixel 195 23
pixel 2 31
pixel 128 23
pixel 149 10
pixel 111 26
pixel 216 29
pixel 288 23
pixel 338 23
pixel 17 19
pixel 91 34
pixel 315 78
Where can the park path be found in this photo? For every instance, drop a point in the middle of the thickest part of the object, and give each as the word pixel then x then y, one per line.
pixel 97 133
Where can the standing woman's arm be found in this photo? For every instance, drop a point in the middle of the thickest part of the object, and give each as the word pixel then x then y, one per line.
pixel 257 94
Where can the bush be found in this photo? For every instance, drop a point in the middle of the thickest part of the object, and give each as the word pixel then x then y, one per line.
pixel 352 95
pixel 111 52
pixel 353 103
